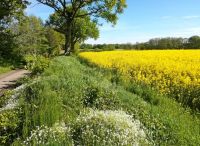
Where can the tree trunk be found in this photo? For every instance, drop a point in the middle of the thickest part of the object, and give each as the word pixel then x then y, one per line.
pixel 68 39
pixel 66 44
pixel 72 44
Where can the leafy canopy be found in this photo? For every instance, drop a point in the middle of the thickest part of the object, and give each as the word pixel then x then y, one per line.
pixel 83 28
pixel 106 9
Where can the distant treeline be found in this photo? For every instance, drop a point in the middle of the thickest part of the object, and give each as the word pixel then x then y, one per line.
pixel 156 43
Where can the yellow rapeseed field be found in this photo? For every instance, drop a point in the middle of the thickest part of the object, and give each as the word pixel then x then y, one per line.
pixel 172 72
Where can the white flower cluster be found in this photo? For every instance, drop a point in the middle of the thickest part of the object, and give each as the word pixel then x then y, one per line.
pixel 109 128
pixel 45 135
pixel 13 100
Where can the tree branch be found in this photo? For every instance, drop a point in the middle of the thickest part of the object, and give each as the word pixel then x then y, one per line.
pixel 94 11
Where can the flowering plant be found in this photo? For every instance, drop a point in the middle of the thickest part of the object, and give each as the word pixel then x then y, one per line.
pixel 44 135
pixel 104 128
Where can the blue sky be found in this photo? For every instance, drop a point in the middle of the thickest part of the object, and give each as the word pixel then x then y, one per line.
pixel 144 19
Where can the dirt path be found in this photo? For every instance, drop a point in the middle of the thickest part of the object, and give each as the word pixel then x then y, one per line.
pixel 10 78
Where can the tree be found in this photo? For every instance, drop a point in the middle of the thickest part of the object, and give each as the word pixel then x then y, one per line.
pixel 10 11
pixel 194 42
pixel 69 10
pixel 83 28
pixel 30 36
pixel 55 41
pixel 86 46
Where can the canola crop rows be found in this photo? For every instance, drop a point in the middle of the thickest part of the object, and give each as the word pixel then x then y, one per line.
pixel 173 72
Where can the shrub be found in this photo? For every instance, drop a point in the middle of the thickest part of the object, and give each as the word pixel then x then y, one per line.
pixel 36 64
pixel 9 126
pixel 44 135
pixel 97 97
pixel 108 127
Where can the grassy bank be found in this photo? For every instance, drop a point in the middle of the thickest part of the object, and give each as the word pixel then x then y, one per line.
pixel 68 89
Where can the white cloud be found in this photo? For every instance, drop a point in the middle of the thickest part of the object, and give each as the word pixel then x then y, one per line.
pixel 191 17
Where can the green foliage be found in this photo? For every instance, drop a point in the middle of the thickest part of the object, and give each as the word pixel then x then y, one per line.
pixel 98 97
pixel 7 45
pixel 36 64
pixel 107 10
pixel 188 96
pixel 9 126
pixel 76 49
pixel 9 9
pixel 55 41
pixel 6 95
pixel 10 12
pixel 30 36
pixel 147 93
pixel 7 65
pixel 194 42
pixel 83 28
pixel 41 107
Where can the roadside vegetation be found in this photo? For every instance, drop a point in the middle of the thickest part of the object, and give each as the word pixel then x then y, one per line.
pixel 62 99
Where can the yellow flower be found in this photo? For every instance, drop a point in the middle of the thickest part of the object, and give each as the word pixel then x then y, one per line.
pixel 166 70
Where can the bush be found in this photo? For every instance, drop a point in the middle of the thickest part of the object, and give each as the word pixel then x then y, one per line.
pixel 36 64
pixel 108 127
pixel 9 126
pixel 43 135
pixel 97 97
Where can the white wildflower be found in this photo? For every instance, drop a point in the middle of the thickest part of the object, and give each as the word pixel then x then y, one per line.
pixel 109 127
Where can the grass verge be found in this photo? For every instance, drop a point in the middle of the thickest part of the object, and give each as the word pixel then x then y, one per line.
pixel 67 88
